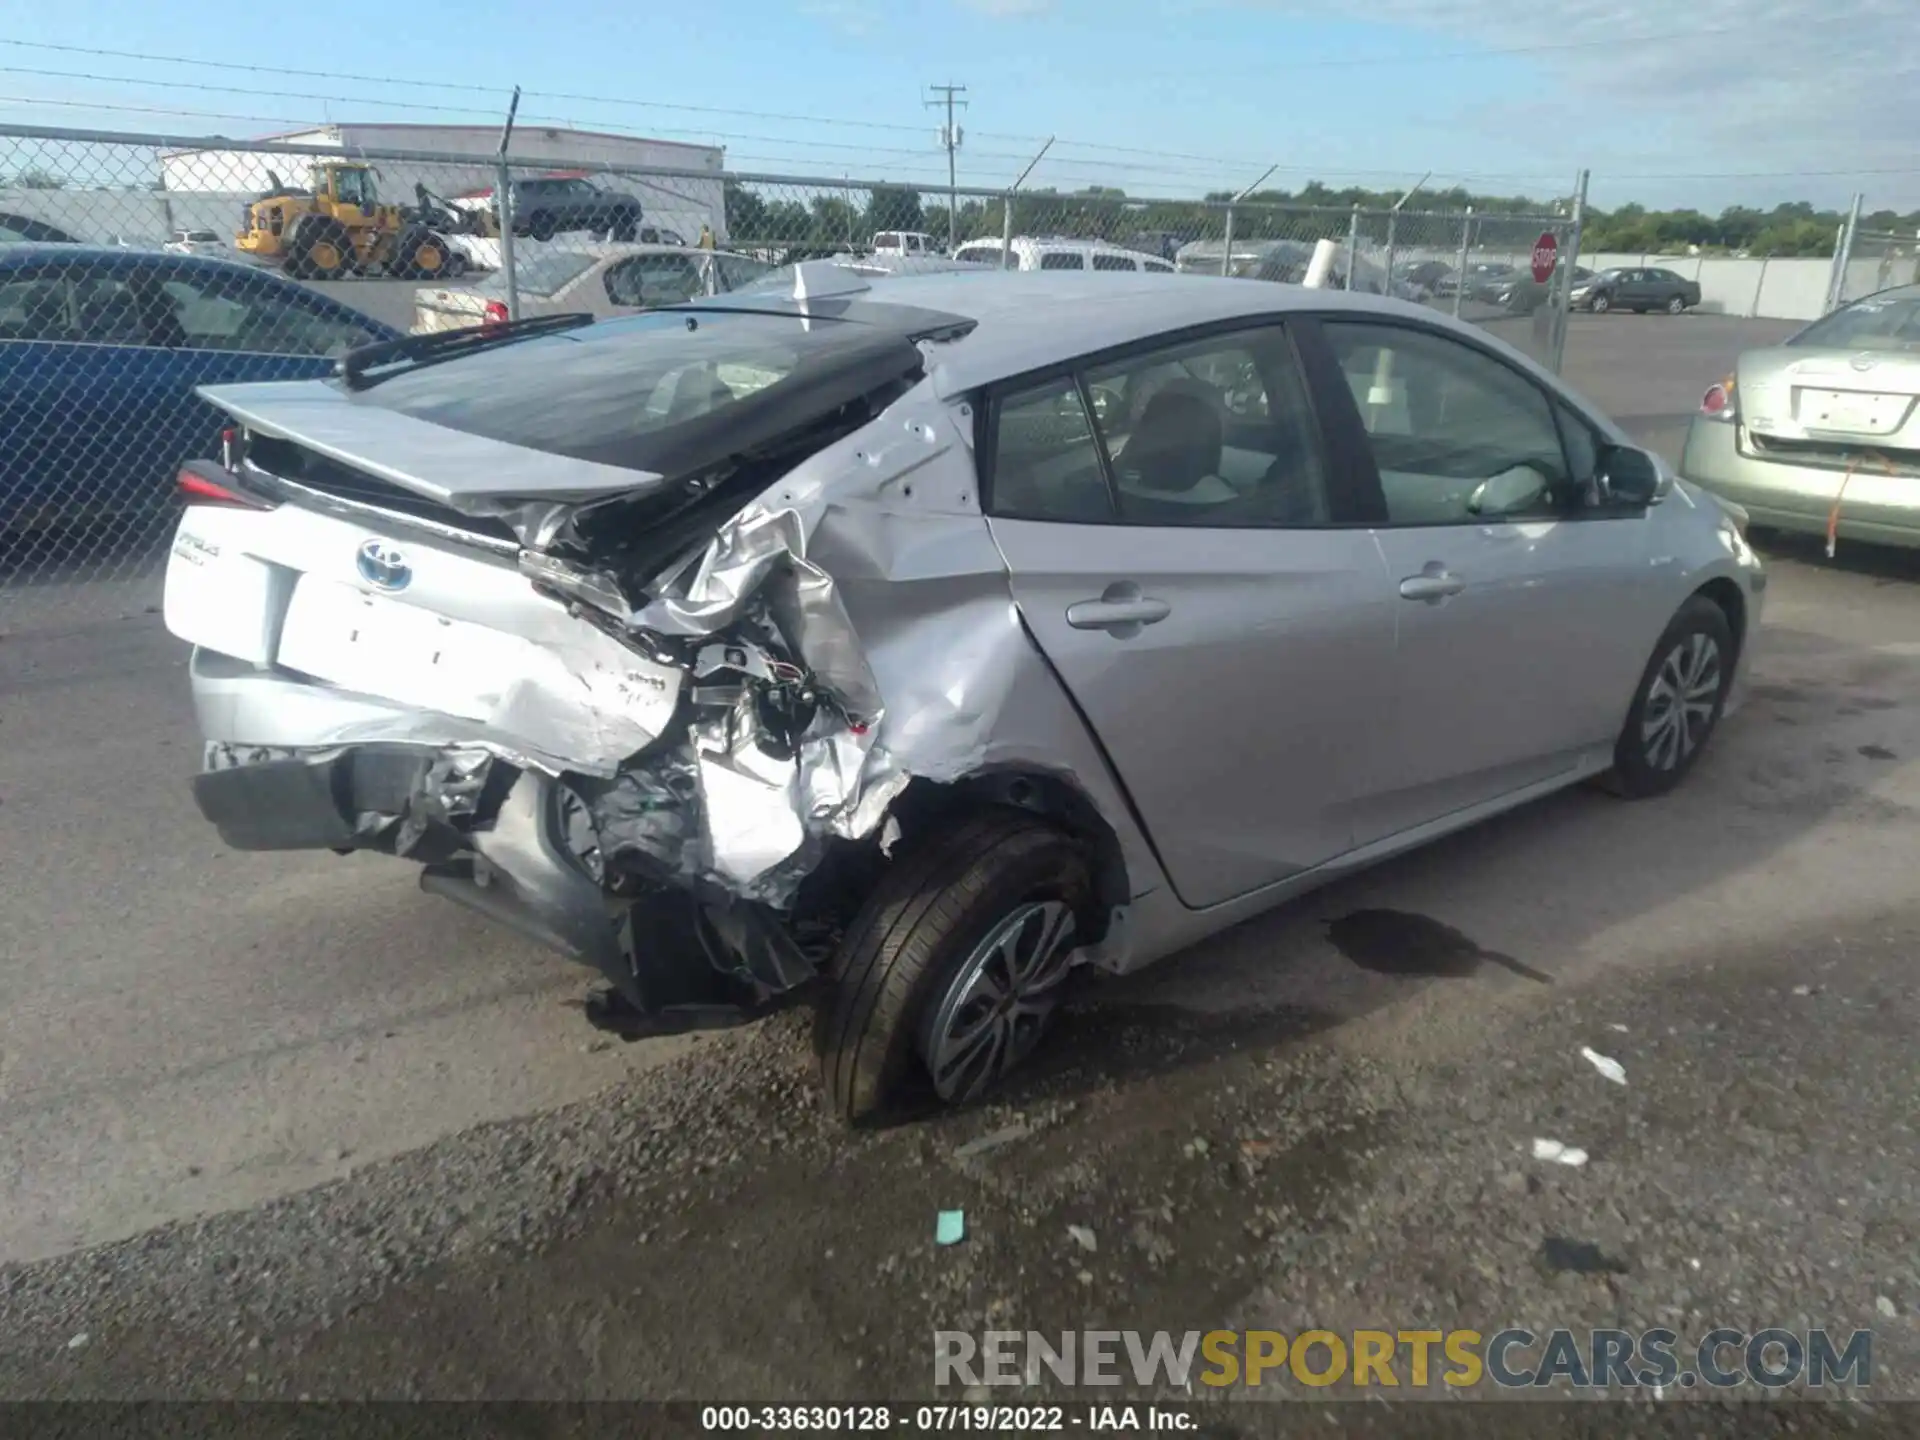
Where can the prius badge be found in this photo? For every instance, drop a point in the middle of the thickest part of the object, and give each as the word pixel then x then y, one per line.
pixel 383 566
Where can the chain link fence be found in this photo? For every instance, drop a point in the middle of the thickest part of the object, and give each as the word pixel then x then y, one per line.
pixel 1877 260
pixel 212 261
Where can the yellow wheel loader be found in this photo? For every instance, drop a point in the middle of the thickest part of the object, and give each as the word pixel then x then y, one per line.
pixel 337 227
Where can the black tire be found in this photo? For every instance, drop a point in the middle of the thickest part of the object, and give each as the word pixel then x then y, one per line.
pixel 457 264
pixel 909 951
pixel 420 255
pixel 1601 304
pixel 625 227
pixel 1643 766
pixel 541 226
pixel 320 249
pixel 1677 305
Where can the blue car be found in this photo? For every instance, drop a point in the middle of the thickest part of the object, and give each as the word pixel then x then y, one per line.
pixel 100 351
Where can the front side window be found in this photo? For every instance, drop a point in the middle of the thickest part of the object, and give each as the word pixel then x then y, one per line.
pixel 1112 262
pixel 1062 260
pixel 1458 436
pixel 354 187
pixel 1214 433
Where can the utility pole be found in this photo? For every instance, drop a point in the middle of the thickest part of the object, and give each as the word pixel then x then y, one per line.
pixel 950 137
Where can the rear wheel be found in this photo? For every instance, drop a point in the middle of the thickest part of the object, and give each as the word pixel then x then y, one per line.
pixel 541 227
pixel 1677 306
pixel 625 228
pixel 955 966
pixel 1602 304
pixel 1678 704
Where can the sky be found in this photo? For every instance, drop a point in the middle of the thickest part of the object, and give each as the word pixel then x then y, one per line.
pixel 1707 104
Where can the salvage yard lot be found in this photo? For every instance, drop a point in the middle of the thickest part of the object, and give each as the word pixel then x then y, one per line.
pixel 187 1030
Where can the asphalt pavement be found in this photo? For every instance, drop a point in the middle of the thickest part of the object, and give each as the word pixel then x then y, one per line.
pixel 416 1171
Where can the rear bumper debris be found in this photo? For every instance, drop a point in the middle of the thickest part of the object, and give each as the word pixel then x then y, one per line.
pixel 496 839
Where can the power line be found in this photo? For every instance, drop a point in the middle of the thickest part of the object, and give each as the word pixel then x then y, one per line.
pixel 499 93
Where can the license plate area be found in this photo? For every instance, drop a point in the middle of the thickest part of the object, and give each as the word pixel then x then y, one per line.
pixel 1850 412
pixel 375 646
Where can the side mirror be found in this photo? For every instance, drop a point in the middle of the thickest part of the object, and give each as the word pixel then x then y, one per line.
pixel 1630 476
pixel 1511 492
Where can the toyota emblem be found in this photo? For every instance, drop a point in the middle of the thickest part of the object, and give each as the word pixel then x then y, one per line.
pixel 1864 360
pixel 383 565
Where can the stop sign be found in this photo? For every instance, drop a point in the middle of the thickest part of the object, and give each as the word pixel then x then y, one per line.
pixel 1545 251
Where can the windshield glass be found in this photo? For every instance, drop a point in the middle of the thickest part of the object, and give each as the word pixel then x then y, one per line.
pixel 642 392
pixel 1879 322
pixel 545 273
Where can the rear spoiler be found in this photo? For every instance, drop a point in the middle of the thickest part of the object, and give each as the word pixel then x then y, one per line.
pixel 456 468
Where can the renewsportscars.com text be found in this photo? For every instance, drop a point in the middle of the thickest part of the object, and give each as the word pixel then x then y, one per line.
pixel 1513 1358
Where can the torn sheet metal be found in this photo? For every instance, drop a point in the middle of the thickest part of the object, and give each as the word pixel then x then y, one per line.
pixel 782 746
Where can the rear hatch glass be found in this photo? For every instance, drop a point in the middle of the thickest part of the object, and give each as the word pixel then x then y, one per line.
pixel 671 391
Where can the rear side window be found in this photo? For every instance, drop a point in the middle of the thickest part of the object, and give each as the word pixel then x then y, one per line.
pixel 1062 260
pixel 213 312
pixel 1113 262
pixel 1159 267
pixel 1213 434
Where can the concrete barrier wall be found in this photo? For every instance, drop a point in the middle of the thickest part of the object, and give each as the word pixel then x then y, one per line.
pixel 1761 287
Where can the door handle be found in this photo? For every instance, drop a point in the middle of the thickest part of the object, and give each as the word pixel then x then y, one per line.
pixel 1106 614
pixel 1432 586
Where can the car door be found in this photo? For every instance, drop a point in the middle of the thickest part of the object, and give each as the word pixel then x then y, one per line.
pixel 96 396
pixel 1184 549
pixel 1523 608
pixel 53 390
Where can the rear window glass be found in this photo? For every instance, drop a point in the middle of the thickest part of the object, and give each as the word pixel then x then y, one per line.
pixel 1880 322
pixel 545 273
pixel 648 392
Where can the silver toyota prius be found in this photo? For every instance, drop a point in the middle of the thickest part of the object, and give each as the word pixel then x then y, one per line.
pixel 904 645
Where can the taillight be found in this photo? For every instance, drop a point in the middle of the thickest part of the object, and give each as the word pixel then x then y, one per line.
pixel 1717 403
pixel 495 313
pixel 202 482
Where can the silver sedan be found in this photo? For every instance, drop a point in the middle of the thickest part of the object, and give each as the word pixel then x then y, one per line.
pixel 1822 434
pixel 904 645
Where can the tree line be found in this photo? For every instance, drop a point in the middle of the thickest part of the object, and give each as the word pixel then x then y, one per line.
pixel 827 223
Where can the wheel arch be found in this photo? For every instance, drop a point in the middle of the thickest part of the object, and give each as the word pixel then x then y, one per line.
pixel 927 804
pixel 1732 601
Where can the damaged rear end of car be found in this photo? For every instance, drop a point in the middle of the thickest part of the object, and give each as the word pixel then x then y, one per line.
pixel 561 612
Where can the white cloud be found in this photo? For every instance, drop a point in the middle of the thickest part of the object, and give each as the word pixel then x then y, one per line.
pixel 1739 86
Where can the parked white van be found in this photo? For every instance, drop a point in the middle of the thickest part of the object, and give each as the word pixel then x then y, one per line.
pixel 904 242
pixel 1030 253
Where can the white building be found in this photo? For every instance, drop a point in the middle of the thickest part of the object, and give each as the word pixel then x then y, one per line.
pixel 682 202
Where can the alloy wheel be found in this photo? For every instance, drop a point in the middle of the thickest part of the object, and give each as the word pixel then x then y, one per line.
pixel 1681 702
pixel 1000 1000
